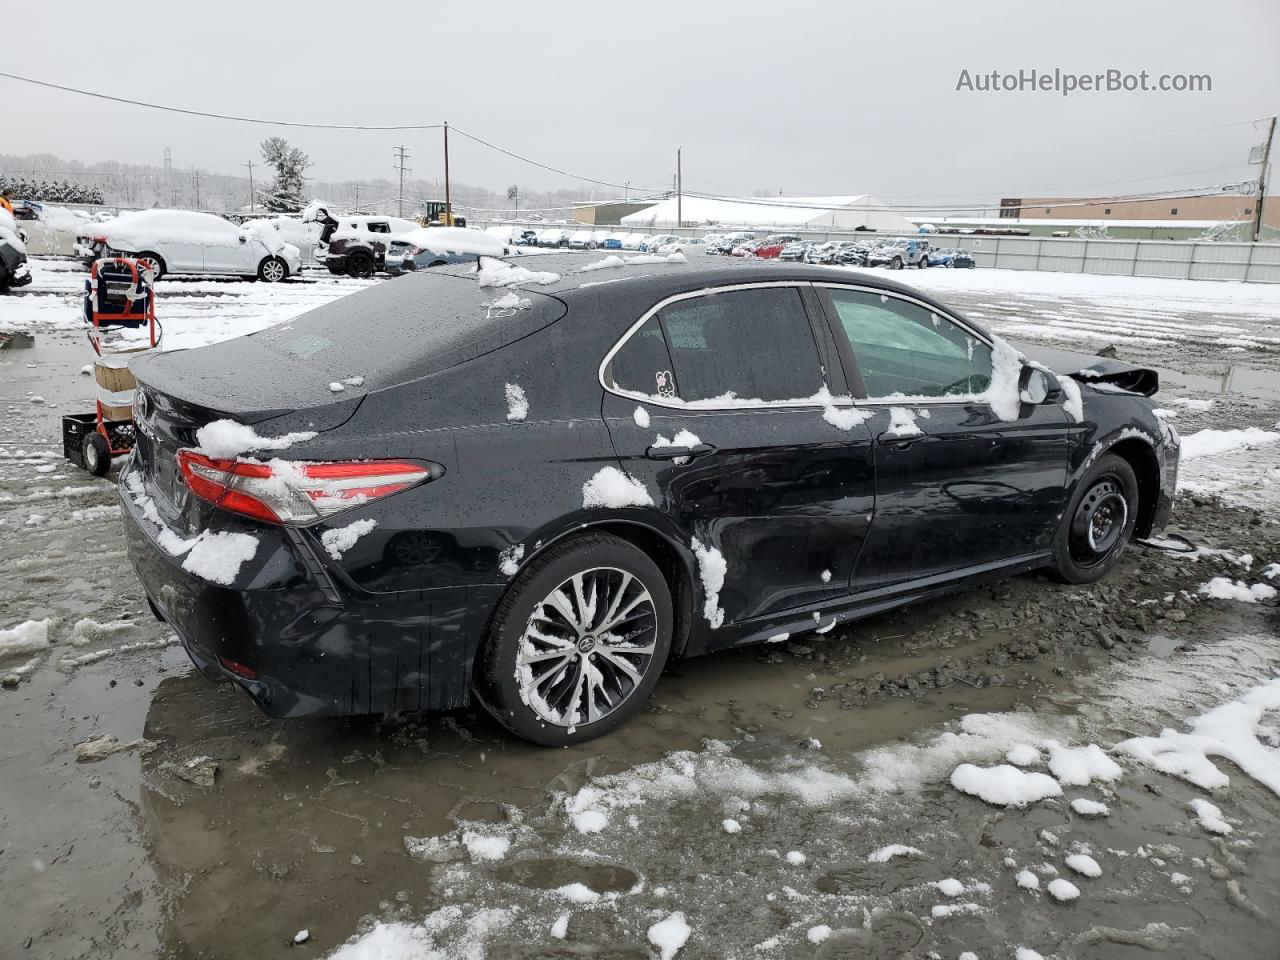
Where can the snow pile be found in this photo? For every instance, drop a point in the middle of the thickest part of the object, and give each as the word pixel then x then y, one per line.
pixel 517 402
pixel 1224 588
pixel 1023 755
pixel 226 438
pixel 485 846
pixel 1072 401
pixel 1004 785
pixel 1090 808
pixel 1028 880
pixel 1191 404
pixel 1210 817
pixel 669 935
pixel 683 438
pixel 510 301
pixel 1006 370
pixel 509 559
pixel 887 853
pixel 1079 766
pixel 610 487
pixel 902 423
pixel 463 240
pixel 499 273
pixel 1207 443
pixel 578 893
pixel 26 637
pixel 613 260
pixel 1084 865
pixel 1063 890
pixel 560 928
pixel 819 933
pixel 1230 731
pixel 712 568
pixel 842 417
pixel 731 826
pixel 641 417
pixel 796 858
pixel 950 887
pixel 217 557
pixel 590 821
pixel 87 630
pixel 341 539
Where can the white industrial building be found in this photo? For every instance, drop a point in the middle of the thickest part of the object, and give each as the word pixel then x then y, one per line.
pixel 795 213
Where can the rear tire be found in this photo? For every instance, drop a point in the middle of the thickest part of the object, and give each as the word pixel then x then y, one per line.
pixel 895 263
pixel 97 455
pixel 1098 522
pixel 360 266
pixel 541 699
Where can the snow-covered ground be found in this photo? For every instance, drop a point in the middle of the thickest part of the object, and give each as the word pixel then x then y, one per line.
pixel 805 799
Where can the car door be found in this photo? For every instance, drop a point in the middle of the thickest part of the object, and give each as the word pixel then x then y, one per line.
pixel 231 249
pixel 715 400
pixel 956 486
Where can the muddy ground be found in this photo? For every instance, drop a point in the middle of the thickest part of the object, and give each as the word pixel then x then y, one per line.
pixel 216 832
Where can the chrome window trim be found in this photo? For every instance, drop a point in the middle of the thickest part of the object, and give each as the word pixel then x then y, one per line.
pixel 946 315
pixel 698 406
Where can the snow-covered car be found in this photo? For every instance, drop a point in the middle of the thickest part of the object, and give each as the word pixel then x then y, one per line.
pixel 553 237
pixel 582 240
pixel 632 241
pixel 651 244
pixel 358 246
pixel 182 241
pixel 794 251
pixel 14 271
pixel 899 253
pixel 428 247
pixel 599 236
pixel 290 229
pixel 527 238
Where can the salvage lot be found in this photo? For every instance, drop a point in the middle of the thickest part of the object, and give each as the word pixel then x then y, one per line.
pixel 830 748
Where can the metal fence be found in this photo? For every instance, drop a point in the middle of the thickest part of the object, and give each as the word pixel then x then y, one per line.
pixel 1181 259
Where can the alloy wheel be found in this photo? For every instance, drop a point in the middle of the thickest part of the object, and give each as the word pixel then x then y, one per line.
pixel 586 647
pixel 273 271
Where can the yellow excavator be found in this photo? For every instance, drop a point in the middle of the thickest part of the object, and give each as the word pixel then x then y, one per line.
pixel 435 214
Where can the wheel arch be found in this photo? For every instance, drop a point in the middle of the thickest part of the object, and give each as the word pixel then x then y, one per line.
pixel 674 560
pixel 1141 456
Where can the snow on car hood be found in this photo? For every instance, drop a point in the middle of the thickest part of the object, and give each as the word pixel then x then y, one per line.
pixel 456 240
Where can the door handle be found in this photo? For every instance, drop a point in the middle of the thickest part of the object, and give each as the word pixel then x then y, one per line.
pixel 672 453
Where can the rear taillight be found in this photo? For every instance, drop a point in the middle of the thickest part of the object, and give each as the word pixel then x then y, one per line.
pixel 287 492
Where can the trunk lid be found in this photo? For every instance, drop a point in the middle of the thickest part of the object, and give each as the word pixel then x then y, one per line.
pixel 1094 369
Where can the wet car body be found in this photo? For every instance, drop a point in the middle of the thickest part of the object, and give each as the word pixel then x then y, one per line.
pixel 818 524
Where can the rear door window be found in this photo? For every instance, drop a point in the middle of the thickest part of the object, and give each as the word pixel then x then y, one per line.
pixel 904 349
pixel 739 345
pixel 375 227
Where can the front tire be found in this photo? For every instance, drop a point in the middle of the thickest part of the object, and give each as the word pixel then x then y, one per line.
pixel 896 263
pixel 273 270
pixel 1098 522
pixel 577 643
pixel 360 266
pixel 155 261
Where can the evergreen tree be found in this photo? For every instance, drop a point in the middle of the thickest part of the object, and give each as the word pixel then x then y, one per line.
pixel 284 195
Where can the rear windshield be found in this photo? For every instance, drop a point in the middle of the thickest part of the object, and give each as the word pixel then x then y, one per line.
pixel 411 326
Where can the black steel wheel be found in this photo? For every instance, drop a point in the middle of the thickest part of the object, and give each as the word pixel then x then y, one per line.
pixel 360 266
pixel 97 455
pixel 578 642
pixel 1098 522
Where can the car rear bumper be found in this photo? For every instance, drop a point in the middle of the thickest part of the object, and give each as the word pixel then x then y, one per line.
pixel 300 638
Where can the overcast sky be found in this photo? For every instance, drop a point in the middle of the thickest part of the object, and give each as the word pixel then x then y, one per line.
pixel 805 98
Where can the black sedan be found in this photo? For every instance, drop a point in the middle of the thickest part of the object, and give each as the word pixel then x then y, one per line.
pixel 529 486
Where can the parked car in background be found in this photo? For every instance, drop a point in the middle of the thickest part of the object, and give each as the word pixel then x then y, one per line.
pixel 428 247
pixel 183 242
pixel 612 241
pixel 652 243
pixel 553 237
pixel 770 248
pixel 725 243
pixel 358 246
pixel 745 248
pixel 527 238
pixel 582 240
pixel 599 236
pixel 632 241
pixel 372 567
pixel 794 251
pixel 951 257
pixel 14 269
pixel 853 252
pixel 304 236
pixel 901 252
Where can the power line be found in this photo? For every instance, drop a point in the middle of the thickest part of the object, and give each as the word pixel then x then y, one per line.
pixel 221 116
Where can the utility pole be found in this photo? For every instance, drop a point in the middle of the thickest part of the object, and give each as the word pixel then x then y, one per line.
pixel 252 196
pixel 679 192
pixel 1262 181
pixel 401 156
pixel 448 203
pixel 197 189
pixel 626 190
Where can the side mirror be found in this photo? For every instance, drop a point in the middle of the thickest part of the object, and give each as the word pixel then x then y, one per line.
pixel 1034 386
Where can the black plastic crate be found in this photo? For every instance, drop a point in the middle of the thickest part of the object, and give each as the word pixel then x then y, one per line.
pixel 76 426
